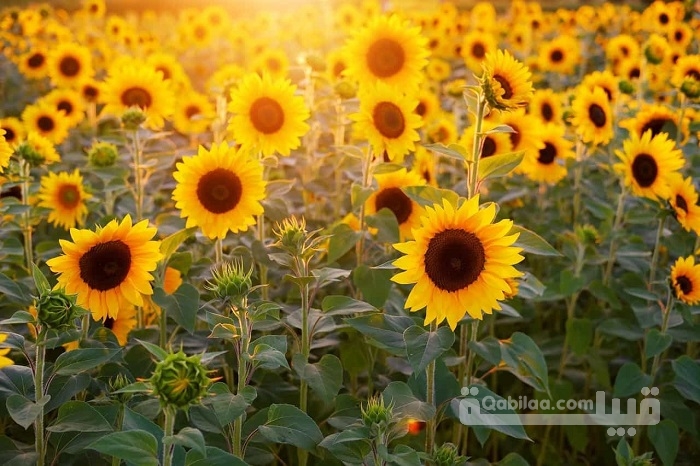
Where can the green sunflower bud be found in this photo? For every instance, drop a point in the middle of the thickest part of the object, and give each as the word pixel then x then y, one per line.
pixel 56 310
pixel 180 380
pixel 116 384
pixel 588 234
pixel 291 235
pixel 376 415
pixel 133 118
pixel 447 455
pixel 231 283
pixel 626 87
pixel 103 154
pixel 316 62
pixel 29 154
pixel 345 89
pixel 691 88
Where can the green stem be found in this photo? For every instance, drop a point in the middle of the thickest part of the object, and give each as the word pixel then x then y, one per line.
pixel 578 172
pixel 366 179
pixel 138 180
pixel 339 140
pixel 262 268
pixel 473 166
pixel 664 328
pixel 679 132
pixel 218 251
pixel 85 326
pixel 168 431
pixel 118 427
pixel 163 327
pixel 25 172
pixel 655 254
pixel 613 243
pixel 242 377
pixel 430 399
pixel 39 443
pixel 470 361
pixel 302 455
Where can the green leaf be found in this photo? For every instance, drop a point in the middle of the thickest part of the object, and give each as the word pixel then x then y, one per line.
pixel 136 387
pixel 375 284
pixel 386 224
pixel 423 347
pixel 213 457
pixel 500 164
pixel 403 455
pixel 501 129
pixel 656 343
pixel 278 188
pixel 155 350
pixel 170 244
pixel 405 402
pixel 40 281
pixel 324 377
pixel 24 411
pixel 489 349
pixel 19 317
pixel 289 425
pixel 385 331
pixel 182 305
pixel 226 406
pixel 358 195
pixel 134 446
pixel 337 305
pixel 350 445
pixel 386 168
pixel 642 293
pixel 18 380
pixel 687 380
pixel 79 416
pixel 429 195
pixel 83 359
pixel 664 437
pixel 342 240
pixel 569 283
pixel 474 411
pixel 453 151
pixel 524 359
pixel 533 243
pixel 580 335
pixel 267 357
pixel 630 380
pixel 62 389
pixel 190 438
pixel 14 291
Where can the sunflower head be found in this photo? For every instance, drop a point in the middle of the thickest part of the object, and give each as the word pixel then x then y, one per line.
pixel 231 282
pixel 57 311
pixel 447 455
pixel 133 118
pixel 685 280
pixel 505 81
pixel 102 154
pixel 180 381
pixel 691 88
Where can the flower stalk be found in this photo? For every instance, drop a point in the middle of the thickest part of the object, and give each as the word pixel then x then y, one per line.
pixel 39 441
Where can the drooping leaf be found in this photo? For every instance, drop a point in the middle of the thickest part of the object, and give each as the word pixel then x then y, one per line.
pixel 135 446
pixel 289 425
pixel 630 380
pixel 423 347
pixel 182 305
pixel 83 359
pixel 533 243
pixel 324 377
pixel 24 411
pixel 79 416
pixel 664 437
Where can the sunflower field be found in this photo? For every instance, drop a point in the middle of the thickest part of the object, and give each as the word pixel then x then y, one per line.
pixel 351 232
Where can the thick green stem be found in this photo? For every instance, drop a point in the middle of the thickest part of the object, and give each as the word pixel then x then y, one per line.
pixel 168 431
pixel 39 443
pixel 242 377
pixel 138 179
pixel 613 243
pixel 431 425
pixel 25 173
pixel 473 166
pixel 655 254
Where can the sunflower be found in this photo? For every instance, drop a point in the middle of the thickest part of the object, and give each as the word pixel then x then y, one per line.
pixel 526 131
pixel 442 129
pixel 428 104
pixel 108 267
pixel 268 117
pixel 680 35
pixel 475 46
pixel 219 190
pixel 14 130
pixel 684 202
pixel 506 81
pixel 172 69
pixel 68 101
pixel 193 113
pixel 655 118
pixel 491 144
pixel 438 69
pixel 685 280
pixel 34 64
pixel 38 150
pixel 424 165
pixel 546 105
pixel 94 8
pixel 47 121
pixel 622 47
pixel 388 49
pixel 648 163
pixel 90 91
pixel 560 55
pixel 272 61
pixel 5 151
pixel 347 17
pixel 592 117
pixel 604 80
pixel 459 262
pixel 69 64
pixel 63 193
pixel 336 63
pixel 386 118
pixel 389 195
pixel 687 67
pixel 4 360
pixel 137 85
pixel 547 164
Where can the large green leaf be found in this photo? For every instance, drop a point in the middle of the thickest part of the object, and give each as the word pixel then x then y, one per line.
pixel 453 151
pixel 533 243
pixel 687 380
pixel 579 332
pixel 227 406
pixel 656 343
pixel 375 284
pixel 494 414
pixel 170 244
pixel 79 416
pixel 349 446
pixel 24 411
pixel 499 165
pixel 134 446
pixel 213 457
pixel 386 224
pixel 664 437
pixel 335 305
pixel 423 347
pixel 182 305
pixel 343 239
pixel 405 403
pixel 289 425
pixel 630 380
pixel 64 388
pixel 190 438
pixel 324 377
pixel 385 331
pixel 524 359
pixel 83 359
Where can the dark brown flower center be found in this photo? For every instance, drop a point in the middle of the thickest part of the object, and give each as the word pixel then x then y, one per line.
pixel 395 200
pixel 556 56
pixel 69 66
pixel 489 147
pixel 663 18
pixel 136 96
pixel 68 196
pixel 267 115
pixel 66 106
pixel 547 154
pixel 108 323
pixel 36 60
pixel 515 136
pixel 658 125
pixel 90 92
pixel 644 170
pixel 338 68
pixel 385 58
pixel 191 111
pixel 695 74
pixel 597 115
pixel 505 85
pixel 680 203
pixel 388 119
pixel 478 50
pixel 547 111
pixel 454 259
pixel 678 35
pixel 219 191
pixel 421 108
pixel 634 73
pixel 105 265
pixel 166 72
pixel 45 123
pixel 9 134
pixel 685 284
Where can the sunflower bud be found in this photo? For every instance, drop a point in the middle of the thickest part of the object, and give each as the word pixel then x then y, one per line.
pixel 116 384
pixel 316 62
pixel 626 87
pixel 447 455
pixel 691 88
pixel 180 380
pixel 56 310
pixel 231 283
pixel 30 155
pixel 102 154
pixel 587 234
pixel 455 88
pixel 291 235
pixel 376 415
pixel 345 89
pixel 133 118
